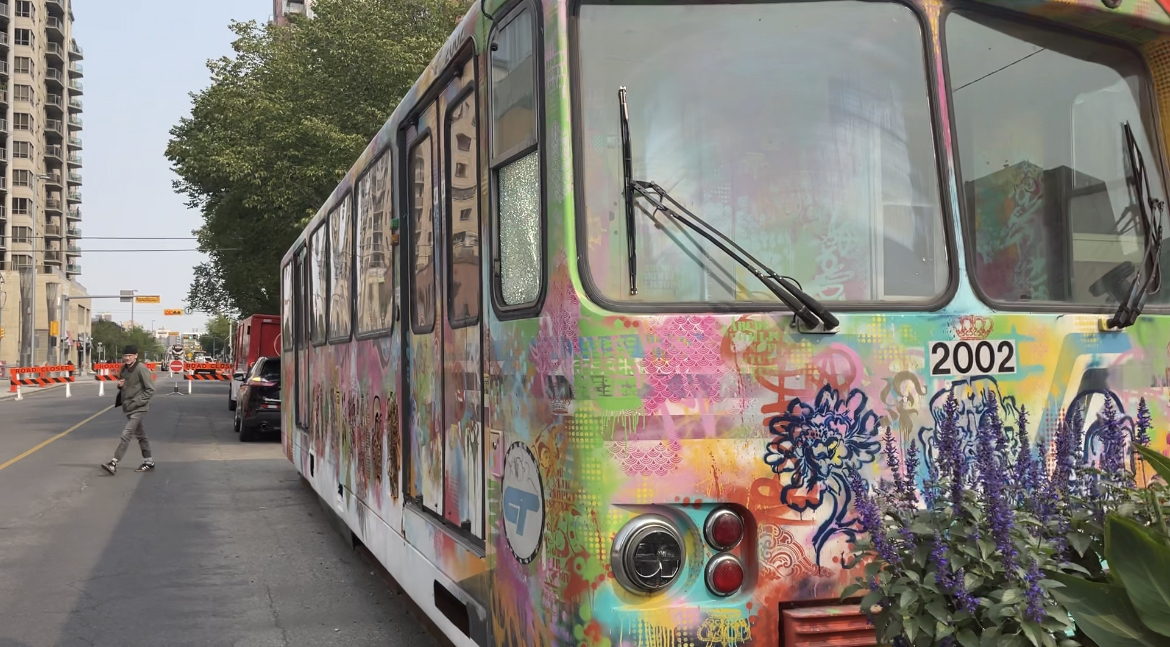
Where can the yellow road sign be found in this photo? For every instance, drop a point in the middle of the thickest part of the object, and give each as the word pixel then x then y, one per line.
pixel 171 312
pixel 148 299
pixel 53 328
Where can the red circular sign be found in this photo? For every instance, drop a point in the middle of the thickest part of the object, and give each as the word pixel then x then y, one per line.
pixel 176 366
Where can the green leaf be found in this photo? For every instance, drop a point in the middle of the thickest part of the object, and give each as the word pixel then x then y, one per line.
pixel 1104 613
pixel 942 630
pixel 907 598
pixel 921 528
pixel 1012 596
pixel 938 610
pixel 972 581
pixel 1080 542
pixel 1160 463
pixel 870 599
pixel 1051 584
pixel 986 548
pixel 911 629
pixel 967 638
pixel 1143 565
pixel 851 590
pixel 989 637
pixel 1032 632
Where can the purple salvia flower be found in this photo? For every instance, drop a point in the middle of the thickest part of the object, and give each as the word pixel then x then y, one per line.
pixel 995 424
pixel 1111 439
pixel 1023 458
pixel 1144 423
pixel 991 477
pixel 954 465
pixel 890 449
pixel 911 481
pixel 963 598
pixel 1041 502
pixel 1033 595
pixel 870 518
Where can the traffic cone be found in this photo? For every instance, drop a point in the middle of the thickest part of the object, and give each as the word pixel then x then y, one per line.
pixel 19 397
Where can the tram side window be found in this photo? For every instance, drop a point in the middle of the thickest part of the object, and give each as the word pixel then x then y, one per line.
pixel 463 192
pixel 515 162
pixel 318 283
pixel 375 306
pixel 341 251
pixel 286 308
pixel 422 287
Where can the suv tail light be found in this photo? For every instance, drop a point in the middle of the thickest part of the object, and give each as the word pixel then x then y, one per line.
pixel 724 575
pixel 723 529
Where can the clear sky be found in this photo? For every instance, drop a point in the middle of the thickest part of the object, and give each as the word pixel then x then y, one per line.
pixel 142 58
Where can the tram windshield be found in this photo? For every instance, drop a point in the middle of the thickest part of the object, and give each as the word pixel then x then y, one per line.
pixel 800 130
pixel 1046 172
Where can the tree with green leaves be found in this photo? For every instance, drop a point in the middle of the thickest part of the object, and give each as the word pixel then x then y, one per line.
pixel 284 118
pixel 114 339
pixel 217 339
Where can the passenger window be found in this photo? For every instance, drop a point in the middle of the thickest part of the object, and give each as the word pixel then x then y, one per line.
pixel 319 283
pixel 341 249
pixel 516 163
pixel 286 307
pixel 463 287
pixel 422 287
pixel 375 249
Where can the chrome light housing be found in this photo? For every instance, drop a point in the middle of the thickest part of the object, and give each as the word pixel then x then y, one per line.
pixel 648 554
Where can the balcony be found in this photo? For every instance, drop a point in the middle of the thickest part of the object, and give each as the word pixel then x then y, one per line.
pixel 56 7
pixel 3 214
pixel 73 268
pixel 74 104
pixel 74 177
pixel 53 204
pixel 53 126
pixel 75 50
pixel 53 151
pixel 54 180
pixel 53 231
pixel 74 159
pixel 55 28
pixel 3 184
pixel 74 213
pixel 3 39
pixel 73 250
pixel 54 53
pixel 53 256
pixel 3 125
pixel 54 78
pixel 74 122
pixel 73 232
pixel 76 69
pixel 75 86
pixel 3 96
pixel 74 142
pixel 3 155
pixel 4 68
pixel 54 104
pixel 73 196
pixel 4 13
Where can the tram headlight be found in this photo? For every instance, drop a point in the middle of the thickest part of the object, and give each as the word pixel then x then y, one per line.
pixel 648 554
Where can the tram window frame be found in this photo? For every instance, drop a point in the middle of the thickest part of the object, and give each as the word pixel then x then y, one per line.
pixel 472 91
pixel 287 307
pixel 335 336
pixel 318 337
pixel 1157 164
pixel 423 136
pixel 496 162
pixel 391 231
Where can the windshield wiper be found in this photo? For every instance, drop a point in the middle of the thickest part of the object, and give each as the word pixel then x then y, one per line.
pixel 1149 276
pixel 803 306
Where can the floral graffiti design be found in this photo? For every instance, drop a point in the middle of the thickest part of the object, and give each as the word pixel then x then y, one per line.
pixel 974 397
pixel 817 447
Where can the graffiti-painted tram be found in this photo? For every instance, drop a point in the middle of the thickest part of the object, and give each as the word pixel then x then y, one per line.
pixel 586 344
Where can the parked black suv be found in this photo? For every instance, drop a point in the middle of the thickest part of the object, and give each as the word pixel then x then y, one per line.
pixel 258 404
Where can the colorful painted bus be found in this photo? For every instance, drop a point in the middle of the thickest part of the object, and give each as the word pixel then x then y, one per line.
pixel 586 344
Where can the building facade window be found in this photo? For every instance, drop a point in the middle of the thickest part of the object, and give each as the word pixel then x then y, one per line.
pixel 20 206
pixel 21 177
pixel 23 37
pixel 24 9
pixel 23 93
pixel 22 65
pixel 21 150
pixel 21 121
pixel 22 234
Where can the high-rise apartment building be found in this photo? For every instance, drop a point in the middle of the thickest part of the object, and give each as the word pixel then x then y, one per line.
pixel 40 180
pixel 282 9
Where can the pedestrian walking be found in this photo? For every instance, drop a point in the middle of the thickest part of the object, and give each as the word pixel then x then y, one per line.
pixel 136 387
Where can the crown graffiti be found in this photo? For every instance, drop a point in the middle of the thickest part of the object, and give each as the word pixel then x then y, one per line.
pixel 971 327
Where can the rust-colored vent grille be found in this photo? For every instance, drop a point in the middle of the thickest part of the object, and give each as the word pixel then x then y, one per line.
pixel 1158 58
pixel 835 626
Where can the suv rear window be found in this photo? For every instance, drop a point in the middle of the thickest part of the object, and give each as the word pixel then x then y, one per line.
pixel 270 369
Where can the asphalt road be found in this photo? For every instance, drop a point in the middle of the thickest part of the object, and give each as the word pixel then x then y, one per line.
pixel 222 544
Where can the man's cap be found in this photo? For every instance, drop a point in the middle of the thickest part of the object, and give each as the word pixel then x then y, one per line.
pixel 130 350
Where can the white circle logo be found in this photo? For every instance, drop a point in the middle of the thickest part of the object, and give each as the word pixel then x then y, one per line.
pixel 523 502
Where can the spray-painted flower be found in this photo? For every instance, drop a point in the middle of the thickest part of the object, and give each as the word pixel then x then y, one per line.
pixel 833 437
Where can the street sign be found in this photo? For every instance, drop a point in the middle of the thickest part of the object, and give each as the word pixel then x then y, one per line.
pixel 126 296
pixel 176 366
pixel 53 328
pixel 148 299
pixel 172 312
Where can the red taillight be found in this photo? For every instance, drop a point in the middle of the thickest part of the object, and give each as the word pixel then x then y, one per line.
pixel 724 575
pixel 724 529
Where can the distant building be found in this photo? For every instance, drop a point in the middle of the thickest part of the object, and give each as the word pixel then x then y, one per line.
pixel 282 9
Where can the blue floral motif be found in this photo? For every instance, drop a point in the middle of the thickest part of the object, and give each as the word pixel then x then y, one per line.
pixel 818 447
pixel 973 397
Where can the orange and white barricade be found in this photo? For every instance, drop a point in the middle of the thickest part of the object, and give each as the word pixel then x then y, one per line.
pixel 43 378
pixel 220 372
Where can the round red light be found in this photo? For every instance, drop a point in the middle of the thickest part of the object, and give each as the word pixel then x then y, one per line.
pixel 724 575
pixel 724 529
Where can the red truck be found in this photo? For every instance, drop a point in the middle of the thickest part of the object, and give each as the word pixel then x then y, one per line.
pixel 256 336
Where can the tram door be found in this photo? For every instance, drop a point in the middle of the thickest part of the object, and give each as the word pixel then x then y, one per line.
pixel 445 371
